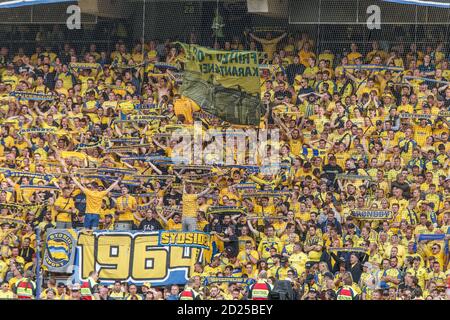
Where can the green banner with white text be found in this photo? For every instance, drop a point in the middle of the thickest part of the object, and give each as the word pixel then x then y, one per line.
pixel 223 83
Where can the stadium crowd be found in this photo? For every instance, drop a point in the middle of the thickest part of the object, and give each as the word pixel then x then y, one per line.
pixel 378 117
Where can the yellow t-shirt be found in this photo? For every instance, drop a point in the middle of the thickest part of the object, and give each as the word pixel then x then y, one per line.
pixel 94 201
pixel 66 79
pixel 189 205
pixel 269 46
pixel 243 258
pixel 127 204
pixel 421 134
pixel 6 295
pixel 267 243
pixel 352 56
pixel 421 275
pixel 304 56
pixel 172 225
pixel 185 107
pixel 298 261
pixel 3 269
pixel 13 80
pixel 66 205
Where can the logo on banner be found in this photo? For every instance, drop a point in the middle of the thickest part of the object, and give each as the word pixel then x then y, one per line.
pixel 59 250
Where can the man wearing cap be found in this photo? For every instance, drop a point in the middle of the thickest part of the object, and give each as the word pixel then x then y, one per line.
pixel 282 271
pixel 388 101
pixel 145 288
pixel 274 264
pixel 312 294
pixel 61 291
pixel 5 291
pixel 108 222
pixel 331 169
pixel 75 292
pixel 214 267
pixel 309 285
pixel 367 279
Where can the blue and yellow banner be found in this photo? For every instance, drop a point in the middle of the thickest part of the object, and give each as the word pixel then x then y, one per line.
pixel 84 65
pixel 226 210
pixel 37 130
pixel 352 249
pixel 345 176
pixel 373 67
pixel 184 239
pixel 33 96
pixel 161 258
pixel 60 246
pixel 247 281
pixel 21 174
pixel 312 152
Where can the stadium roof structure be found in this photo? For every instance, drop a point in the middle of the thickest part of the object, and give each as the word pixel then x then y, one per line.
pixel 23 3
pixel 427 3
